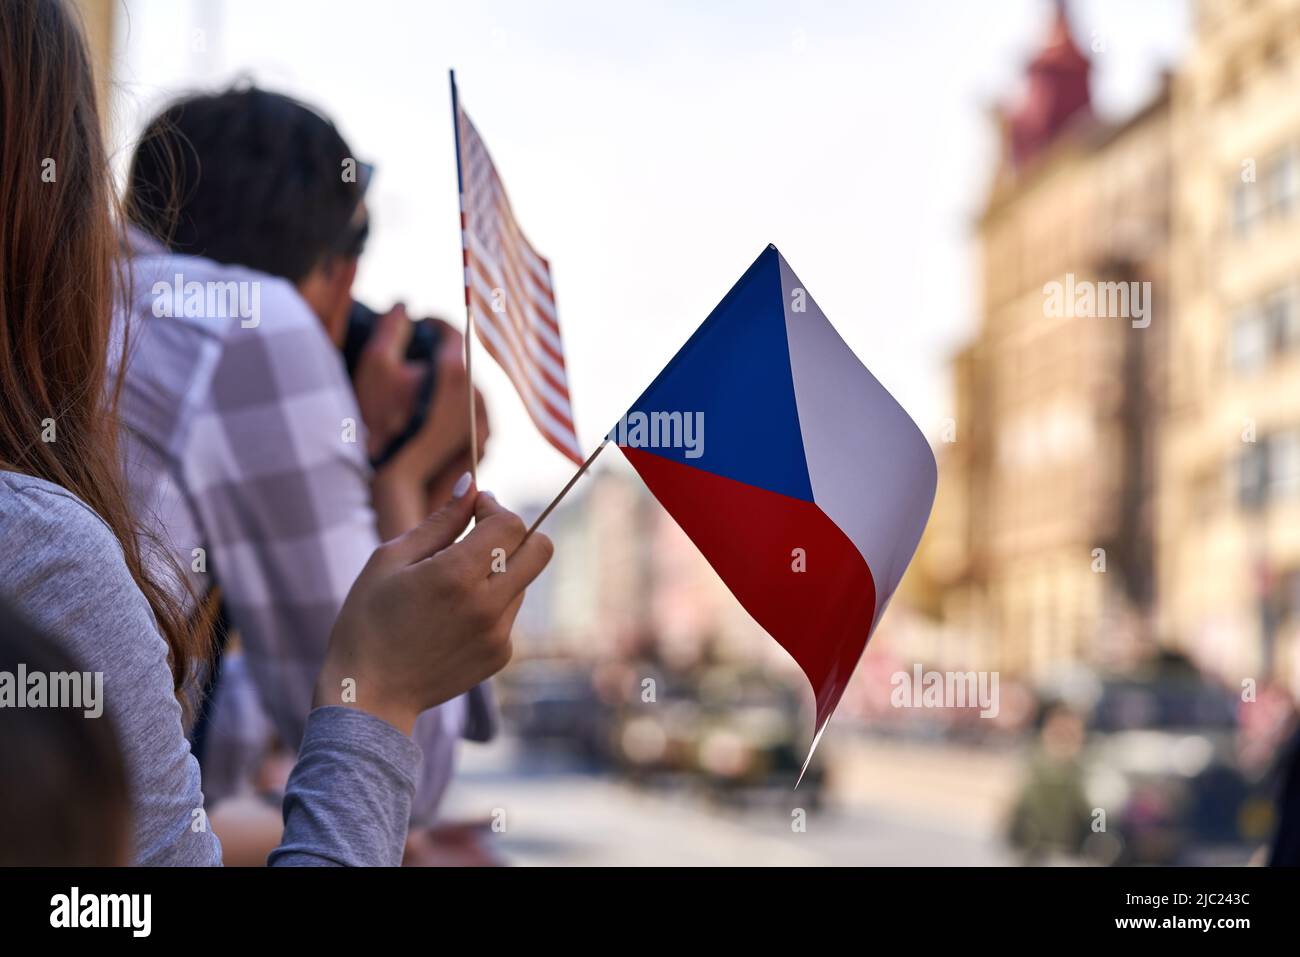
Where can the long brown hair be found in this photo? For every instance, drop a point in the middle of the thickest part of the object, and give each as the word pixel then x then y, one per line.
pixel 60 269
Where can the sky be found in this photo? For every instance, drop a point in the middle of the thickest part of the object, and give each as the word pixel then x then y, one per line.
pixel 651 151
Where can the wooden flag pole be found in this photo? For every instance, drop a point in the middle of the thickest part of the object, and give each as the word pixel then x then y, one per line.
pixel 473 412
pixel 469 328
pixel 565 491
pixel 469 312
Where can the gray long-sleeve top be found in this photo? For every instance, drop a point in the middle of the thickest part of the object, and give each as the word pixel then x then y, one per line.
pixel 349 798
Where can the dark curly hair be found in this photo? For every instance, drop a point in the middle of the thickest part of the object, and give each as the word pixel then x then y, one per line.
pixel 246 177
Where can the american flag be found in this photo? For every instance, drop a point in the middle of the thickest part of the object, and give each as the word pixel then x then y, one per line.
pixel 509 292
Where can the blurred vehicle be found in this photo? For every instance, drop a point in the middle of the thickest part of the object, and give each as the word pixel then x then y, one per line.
pixel 553 703
pixel 736 733
pixel 1158 758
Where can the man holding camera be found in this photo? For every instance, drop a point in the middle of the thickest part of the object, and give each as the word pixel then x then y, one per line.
pixel 270 473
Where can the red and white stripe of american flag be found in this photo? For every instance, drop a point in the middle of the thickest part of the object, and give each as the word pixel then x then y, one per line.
pixel 508 289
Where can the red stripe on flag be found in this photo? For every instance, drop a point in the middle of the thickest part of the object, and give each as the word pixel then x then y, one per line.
pixel 521 332
pixel 520 323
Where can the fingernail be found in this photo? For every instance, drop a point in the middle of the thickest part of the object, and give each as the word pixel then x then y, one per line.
pixel 462 486
pixel 489 495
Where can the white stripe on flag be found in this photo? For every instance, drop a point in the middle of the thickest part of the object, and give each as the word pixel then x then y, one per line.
pixel 538 385
pixel 511 294
pixel 530 331
pixel 548 423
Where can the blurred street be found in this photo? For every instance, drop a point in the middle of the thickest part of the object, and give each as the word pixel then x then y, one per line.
pixel 557 813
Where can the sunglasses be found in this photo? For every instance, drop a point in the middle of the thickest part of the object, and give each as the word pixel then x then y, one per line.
pixel 353 241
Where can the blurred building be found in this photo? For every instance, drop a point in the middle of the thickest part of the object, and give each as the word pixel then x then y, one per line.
pixel 594 600
pixel 1043 537
pixel 1230 474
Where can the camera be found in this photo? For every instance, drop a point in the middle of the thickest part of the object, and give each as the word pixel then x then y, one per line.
pixel 423 347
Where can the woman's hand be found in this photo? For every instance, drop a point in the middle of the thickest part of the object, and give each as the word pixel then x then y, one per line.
pixel 428 617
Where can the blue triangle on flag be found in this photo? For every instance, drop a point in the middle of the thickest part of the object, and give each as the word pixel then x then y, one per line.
pixel 735 370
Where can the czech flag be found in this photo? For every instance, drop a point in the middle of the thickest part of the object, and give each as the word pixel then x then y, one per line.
pixel 800 479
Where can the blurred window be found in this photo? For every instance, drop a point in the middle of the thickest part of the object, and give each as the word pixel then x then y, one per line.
pixel 1252 475
pixel 1280 319
pixel 1250 340
pixel 1245 206
pixel 1284 181
pixel 1284 462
